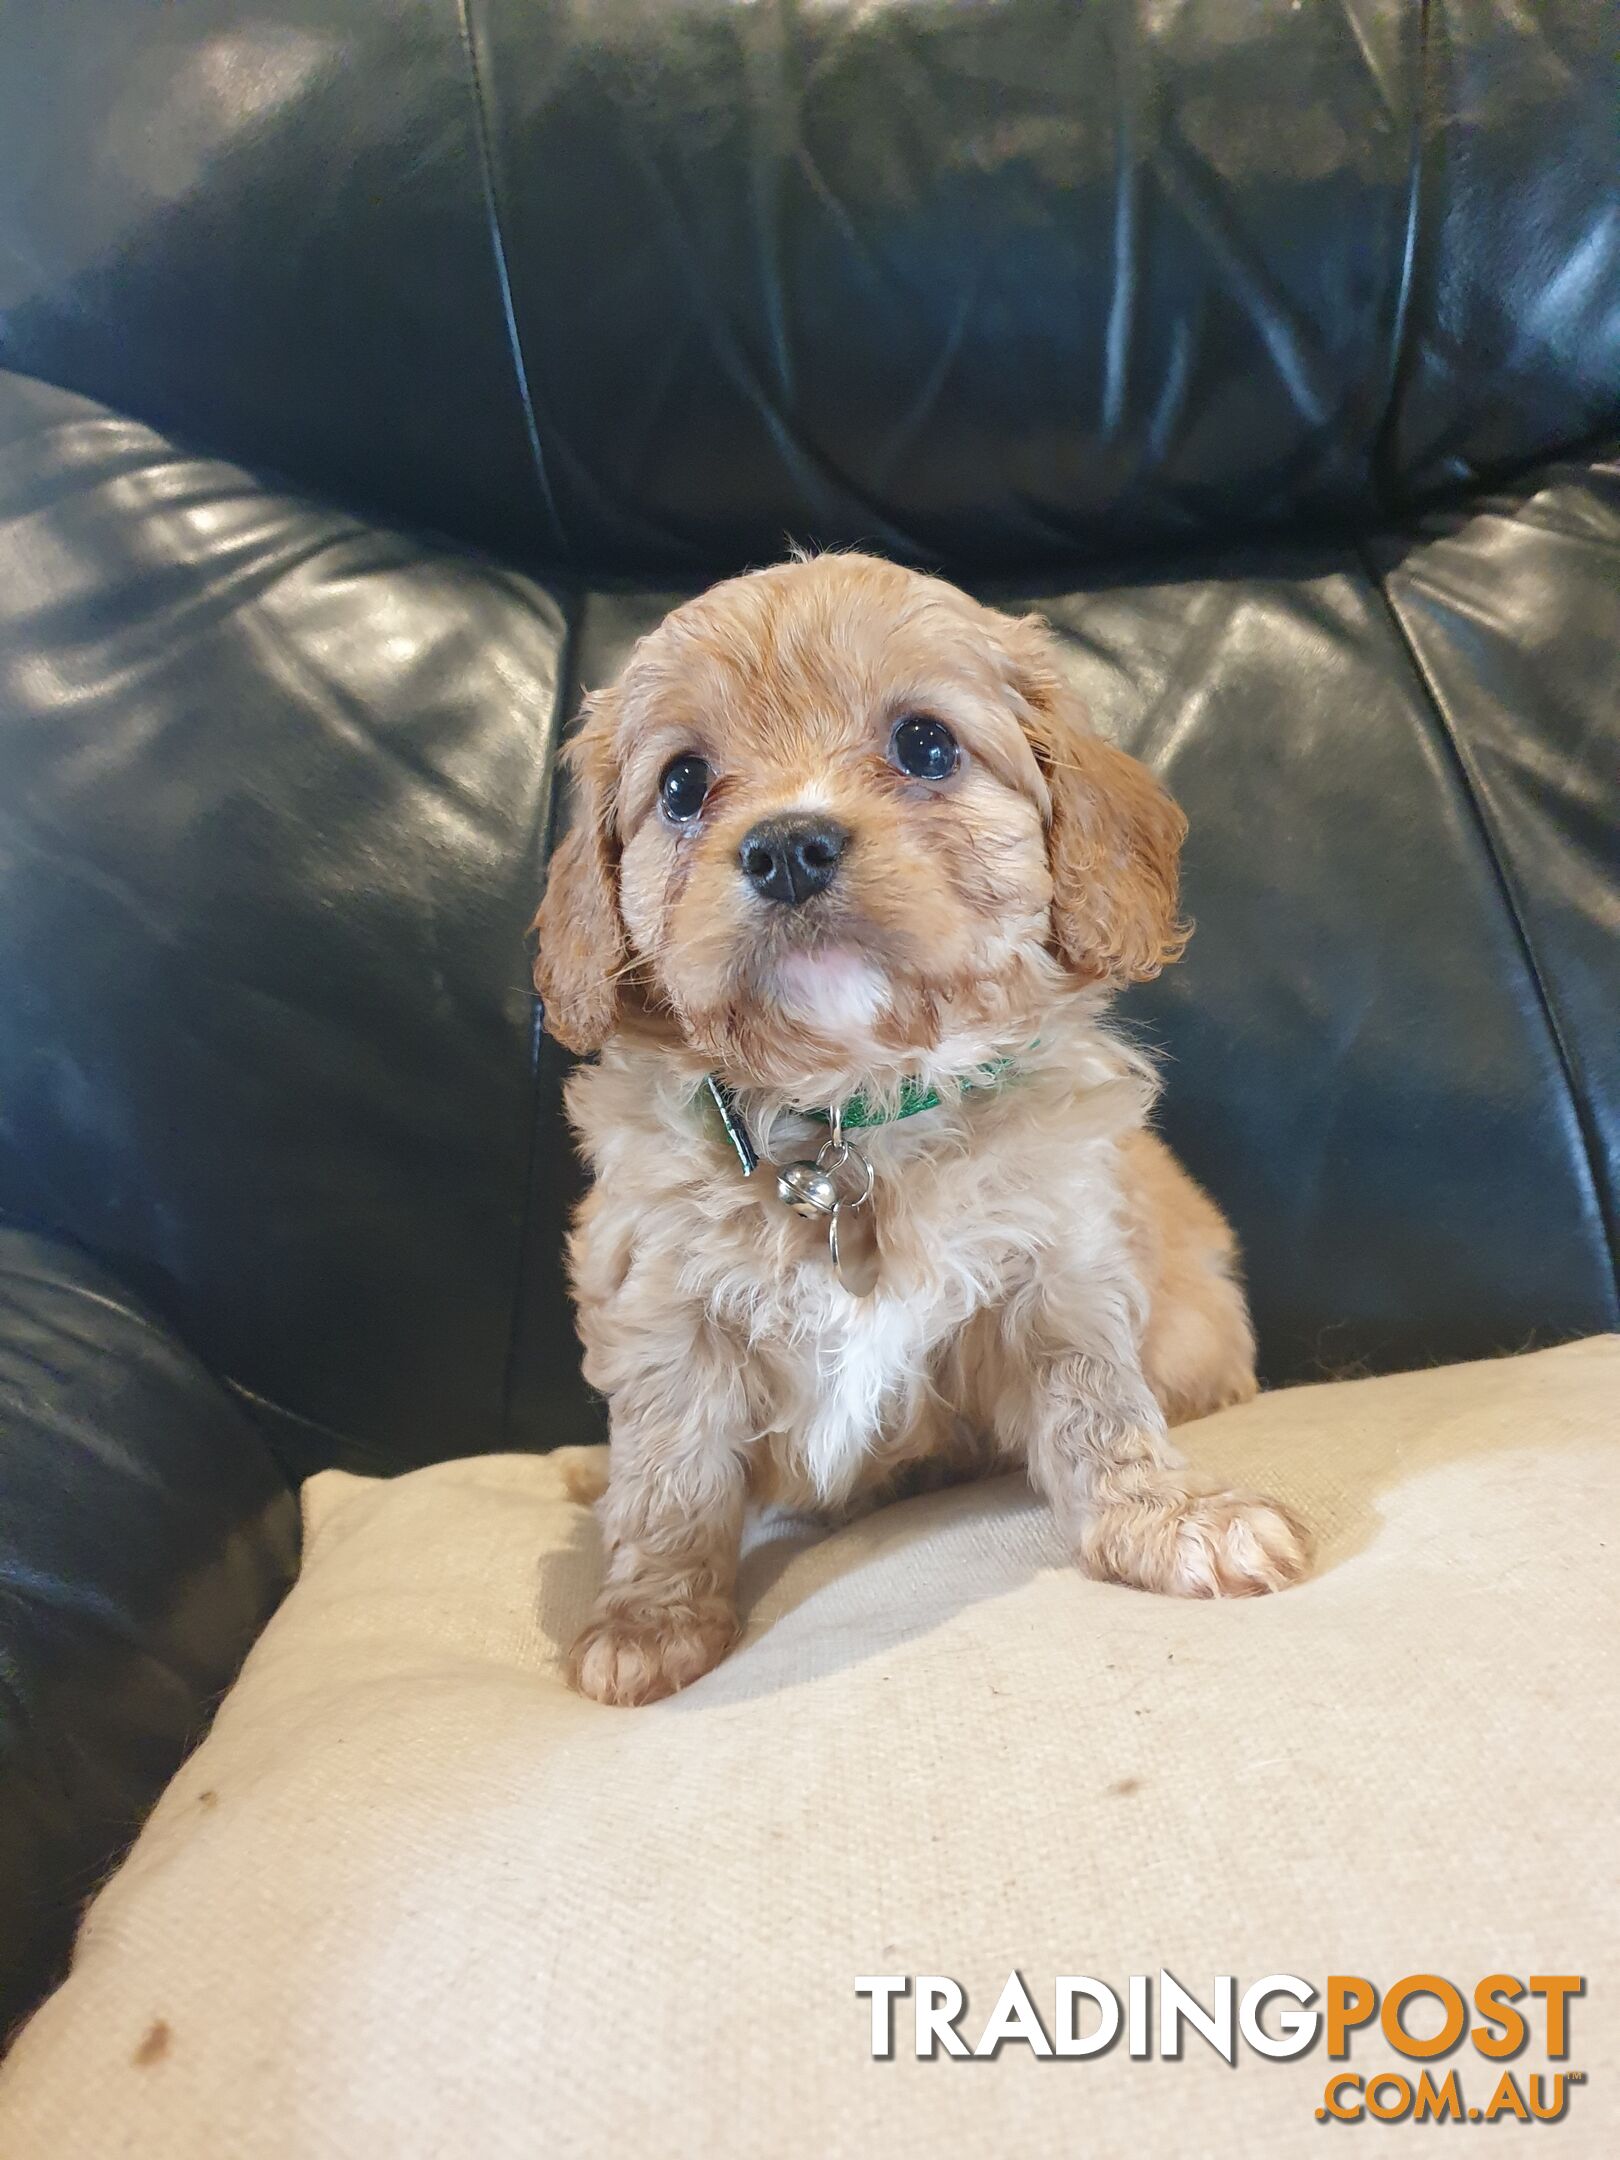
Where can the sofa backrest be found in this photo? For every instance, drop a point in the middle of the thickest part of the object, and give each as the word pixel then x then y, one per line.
pixel 638 289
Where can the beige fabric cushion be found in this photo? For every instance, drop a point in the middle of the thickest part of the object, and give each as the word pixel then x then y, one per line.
pixel 413 1898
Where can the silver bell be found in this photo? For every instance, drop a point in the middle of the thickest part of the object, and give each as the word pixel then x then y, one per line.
pixel 807 1189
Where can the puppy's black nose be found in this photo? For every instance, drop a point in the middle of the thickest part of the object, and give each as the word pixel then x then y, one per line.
pixel 789 858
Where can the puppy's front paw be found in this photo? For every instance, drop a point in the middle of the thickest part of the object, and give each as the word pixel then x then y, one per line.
pixel 639 1655
pixel 1222 1544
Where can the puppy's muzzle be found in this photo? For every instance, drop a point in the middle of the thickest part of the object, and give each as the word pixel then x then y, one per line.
pixel 790 859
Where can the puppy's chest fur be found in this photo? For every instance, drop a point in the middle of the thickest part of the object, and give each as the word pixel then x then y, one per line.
pixel 975 1214
pixel 849 1387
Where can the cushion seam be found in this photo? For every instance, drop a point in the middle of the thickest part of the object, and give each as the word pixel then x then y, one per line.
pixel 503 278
pixel 546 832
pixel 1400 365
pixel 1506 886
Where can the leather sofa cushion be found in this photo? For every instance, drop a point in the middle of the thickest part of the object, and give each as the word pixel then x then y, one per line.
pixel 411 1887
pixel 146 1535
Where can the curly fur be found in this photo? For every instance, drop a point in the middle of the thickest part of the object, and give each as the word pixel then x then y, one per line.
pixel 1055 1289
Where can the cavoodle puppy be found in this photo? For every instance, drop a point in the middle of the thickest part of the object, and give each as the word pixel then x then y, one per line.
pixel 849 883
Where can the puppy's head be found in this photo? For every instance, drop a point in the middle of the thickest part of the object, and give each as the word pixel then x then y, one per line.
pixel 838 822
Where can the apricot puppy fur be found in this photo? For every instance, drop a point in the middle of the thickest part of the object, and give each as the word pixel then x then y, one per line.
pixel 838 829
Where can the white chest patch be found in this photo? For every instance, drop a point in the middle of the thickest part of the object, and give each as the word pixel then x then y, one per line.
pixel 865 1359
pixel 841 1373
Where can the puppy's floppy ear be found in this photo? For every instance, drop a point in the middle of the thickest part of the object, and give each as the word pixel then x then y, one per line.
pixel 1115 836
pixel 580 938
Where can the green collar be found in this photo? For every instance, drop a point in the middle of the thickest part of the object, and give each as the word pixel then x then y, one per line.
pixel 859 1115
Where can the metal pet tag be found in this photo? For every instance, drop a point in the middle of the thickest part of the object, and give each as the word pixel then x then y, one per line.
pixel 852 1232
pixel 811 1189
pixel 852 1241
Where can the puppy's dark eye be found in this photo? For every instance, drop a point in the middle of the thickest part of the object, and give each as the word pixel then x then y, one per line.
pixel 684 787
pixel 924 747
